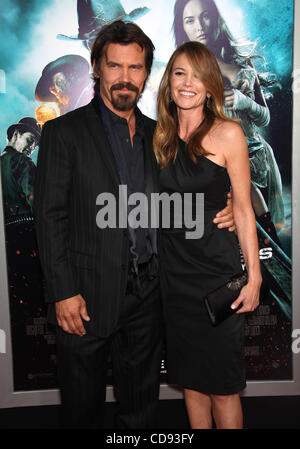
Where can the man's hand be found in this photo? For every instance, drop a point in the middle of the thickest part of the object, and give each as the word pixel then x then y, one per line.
pixel 69 313
pixel 224 218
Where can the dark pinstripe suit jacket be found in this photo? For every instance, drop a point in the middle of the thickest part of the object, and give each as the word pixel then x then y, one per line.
pixel 75 164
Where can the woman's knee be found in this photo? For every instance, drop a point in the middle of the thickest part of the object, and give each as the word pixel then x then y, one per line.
pixel 224 399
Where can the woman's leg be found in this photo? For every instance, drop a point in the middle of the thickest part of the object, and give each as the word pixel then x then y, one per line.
pixel 227 411
pixel 199 409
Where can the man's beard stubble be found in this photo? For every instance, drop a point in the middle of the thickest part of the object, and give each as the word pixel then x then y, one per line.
pixel 124 102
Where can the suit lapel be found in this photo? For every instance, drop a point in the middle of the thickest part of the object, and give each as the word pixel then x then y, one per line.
pixel 99 136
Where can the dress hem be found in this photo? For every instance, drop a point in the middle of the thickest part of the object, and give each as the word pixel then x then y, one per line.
pixel 238 388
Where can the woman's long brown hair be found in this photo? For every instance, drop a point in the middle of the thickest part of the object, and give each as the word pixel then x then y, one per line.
pixel 206 67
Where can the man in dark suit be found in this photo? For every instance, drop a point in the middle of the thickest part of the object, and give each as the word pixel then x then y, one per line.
pixel 102 284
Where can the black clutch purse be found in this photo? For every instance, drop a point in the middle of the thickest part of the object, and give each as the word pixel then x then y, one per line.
pixel 218 301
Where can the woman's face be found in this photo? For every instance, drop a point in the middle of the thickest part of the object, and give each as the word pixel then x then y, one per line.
pixel 187 90
pixel 197 22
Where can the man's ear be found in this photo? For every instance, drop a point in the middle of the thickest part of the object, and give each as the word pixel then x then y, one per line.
pixel 96 74
pixel 15 135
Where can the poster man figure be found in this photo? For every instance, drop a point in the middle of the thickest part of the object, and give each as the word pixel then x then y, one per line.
pixel 18 170
pixel 24 272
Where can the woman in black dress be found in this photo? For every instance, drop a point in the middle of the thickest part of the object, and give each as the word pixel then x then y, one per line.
pixel 200 150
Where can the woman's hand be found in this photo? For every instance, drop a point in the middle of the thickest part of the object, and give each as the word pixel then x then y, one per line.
pixel 241 85
pixel 229 99
pixel 249 297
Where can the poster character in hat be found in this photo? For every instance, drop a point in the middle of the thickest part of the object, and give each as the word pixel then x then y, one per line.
pixel 24 272
pixel 92 15
pixel 66 82
pixel 18 169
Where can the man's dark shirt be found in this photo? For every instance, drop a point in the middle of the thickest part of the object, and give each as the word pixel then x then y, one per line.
pixel 130 163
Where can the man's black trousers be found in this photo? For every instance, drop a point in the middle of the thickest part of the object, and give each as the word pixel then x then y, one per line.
pixel 135 349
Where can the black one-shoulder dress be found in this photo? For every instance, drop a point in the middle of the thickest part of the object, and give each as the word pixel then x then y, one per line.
pixel 200 356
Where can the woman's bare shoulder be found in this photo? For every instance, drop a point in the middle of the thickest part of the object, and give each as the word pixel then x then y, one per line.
pixel 226 131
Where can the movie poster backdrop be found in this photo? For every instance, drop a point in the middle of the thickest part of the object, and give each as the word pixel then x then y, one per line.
pixel 45 72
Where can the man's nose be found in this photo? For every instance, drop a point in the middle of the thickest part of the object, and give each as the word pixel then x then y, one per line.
pixel 125 74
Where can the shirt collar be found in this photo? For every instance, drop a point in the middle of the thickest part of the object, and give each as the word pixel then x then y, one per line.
pixel 104 110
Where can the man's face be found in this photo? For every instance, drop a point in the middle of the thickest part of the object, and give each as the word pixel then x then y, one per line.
pixel 61 82
pixel 122 76
pixel 24 143
pixel 61 88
